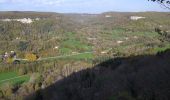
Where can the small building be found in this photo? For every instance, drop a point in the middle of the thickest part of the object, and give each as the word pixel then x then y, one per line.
pixel 137 17
pixel 5 56
pixel 108 16
pixel 13 54
pixel 9 56
pixel 119 42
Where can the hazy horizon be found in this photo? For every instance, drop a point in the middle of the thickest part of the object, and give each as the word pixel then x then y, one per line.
pixel 85 12
pixel 80 6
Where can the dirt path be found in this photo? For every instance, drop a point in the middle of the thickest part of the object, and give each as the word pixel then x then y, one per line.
pixel 47 58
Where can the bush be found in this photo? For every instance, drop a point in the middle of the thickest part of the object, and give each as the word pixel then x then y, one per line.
pixel 7 90
pixel 31 57
pixel 22 71
pixel 36 78
pixel 9 60
pixel 23 45
pixel 49 80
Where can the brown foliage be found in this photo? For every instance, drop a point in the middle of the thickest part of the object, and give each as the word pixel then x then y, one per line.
pixel 31 57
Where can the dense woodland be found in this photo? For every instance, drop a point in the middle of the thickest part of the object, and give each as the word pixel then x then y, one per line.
pixel 127 59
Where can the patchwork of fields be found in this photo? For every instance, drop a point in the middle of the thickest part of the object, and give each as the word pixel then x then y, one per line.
pixel 59 45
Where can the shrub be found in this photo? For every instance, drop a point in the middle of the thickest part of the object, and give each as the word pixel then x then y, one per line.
pixel 23 45
pixel 36 78
pixel 9 60
pixel 7 90
pixel 31 57
pixel 22 71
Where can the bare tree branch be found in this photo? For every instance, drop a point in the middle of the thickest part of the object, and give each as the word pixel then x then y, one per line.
pixel 164 3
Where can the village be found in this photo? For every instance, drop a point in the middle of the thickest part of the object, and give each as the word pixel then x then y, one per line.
pixel 9 57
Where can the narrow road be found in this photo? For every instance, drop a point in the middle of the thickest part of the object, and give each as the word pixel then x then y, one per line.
pixel 63 56
pixel 47 58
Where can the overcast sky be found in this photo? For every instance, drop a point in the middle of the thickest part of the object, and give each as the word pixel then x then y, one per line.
pixel 79 6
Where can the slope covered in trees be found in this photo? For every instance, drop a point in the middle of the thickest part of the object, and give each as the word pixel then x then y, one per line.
pixel 144 77
pixel 130 40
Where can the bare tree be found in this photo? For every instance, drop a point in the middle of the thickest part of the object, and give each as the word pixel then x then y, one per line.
pixel 163 3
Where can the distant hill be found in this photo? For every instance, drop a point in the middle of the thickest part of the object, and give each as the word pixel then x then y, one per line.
pixel 25 14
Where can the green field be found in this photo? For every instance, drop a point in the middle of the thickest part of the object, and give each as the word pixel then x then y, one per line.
pixel 81 56
pixel 72 45
pixel 13 78
pixel 86 55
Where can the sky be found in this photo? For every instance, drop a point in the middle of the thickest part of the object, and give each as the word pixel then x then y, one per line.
pixel 80 6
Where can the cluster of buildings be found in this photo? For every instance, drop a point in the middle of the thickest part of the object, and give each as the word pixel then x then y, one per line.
pixel 23 20
pixel 7 55
pixel 137 17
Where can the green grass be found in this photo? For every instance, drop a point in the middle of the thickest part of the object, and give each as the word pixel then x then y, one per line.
pixel 145 34
pixel 11 75
pixel 71 57
pixel 71 35
pixel 160 49
pixel 64 50
pixel 117 34
pixel 7 75
pixel 74 44
pixel 18 81
pixel 121 33
pixel 82 56
pixel 71 45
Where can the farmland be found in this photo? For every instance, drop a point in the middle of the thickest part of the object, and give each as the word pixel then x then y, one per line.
pixel 12 78
pixel 55 47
